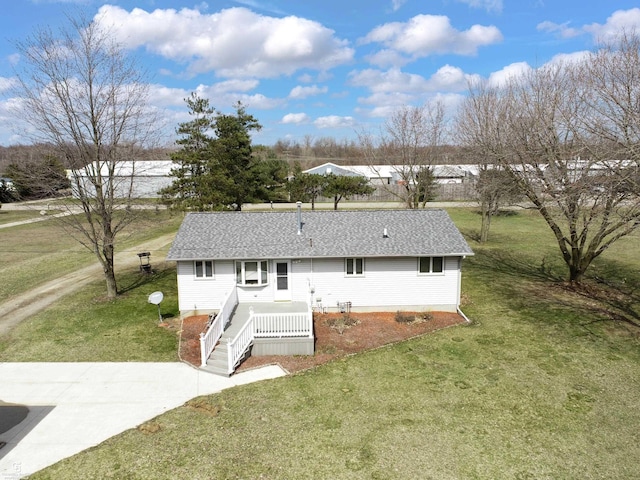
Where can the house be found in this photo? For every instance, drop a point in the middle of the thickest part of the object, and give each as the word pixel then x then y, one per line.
pixel 276 267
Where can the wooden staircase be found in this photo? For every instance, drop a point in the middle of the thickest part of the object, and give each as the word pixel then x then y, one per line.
pixel 218 361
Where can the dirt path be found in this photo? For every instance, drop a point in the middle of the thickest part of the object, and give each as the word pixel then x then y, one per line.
pixel 20 307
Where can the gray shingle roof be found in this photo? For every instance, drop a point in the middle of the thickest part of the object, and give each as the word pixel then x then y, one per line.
pixel 342 233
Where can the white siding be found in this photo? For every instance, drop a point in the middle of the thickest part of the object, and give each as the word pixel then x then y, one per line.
pixel 202 295
pixel 387 284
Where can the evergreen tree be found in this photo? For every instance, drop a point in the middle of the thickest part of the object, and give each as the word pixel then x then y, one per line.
pixel 343 187
pixel 306 187
pixel 233 155
pixel 215 168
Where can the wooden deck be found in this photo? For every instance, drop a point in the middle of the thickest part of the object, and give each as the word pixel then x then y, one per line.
pixel 240 315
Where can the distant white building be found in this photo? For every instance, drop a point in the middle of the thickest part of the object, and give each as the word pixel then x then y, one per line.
pixel 390 174
pixel 135 178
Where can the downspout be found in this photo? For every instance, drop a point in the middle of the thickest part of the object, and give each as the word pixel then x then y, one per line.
pixel 460 312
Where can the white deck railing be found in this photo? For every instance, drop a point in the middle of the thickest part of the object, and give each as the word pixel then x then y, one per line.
pixel 269 325
pixel 209 339
pixel 237 347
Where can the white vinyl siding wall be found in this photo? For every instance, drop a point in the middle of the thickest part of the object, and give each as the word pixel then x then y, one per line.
pixel 387 284
pixel 203 294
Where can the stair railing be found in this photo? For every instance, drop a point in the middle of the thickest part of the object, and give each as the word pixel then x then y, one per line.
pixel 209 339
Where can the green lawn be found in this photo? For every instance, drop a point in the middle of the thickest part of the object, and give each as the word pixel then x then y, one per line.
pixel 86 327
pixel 541 385
pixel 10 216
pixel 38 252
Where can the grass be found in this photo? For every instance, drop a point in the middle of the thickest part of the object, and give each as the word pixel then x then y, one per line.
pixel 9 216
pixel 36 253
pixel 86 327
pixel 542 385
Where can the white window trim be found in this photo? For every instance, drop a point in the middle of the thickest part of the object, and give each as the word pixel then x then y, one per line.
pixel 259 273
pixel 431 272
pixel 354 274
pixel 204 276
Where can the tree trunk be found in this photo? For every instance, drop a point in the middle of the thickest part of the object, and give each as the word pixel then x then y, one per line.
pixel 110 278
pixel 486 222
pixel 575 274
pixel 109 270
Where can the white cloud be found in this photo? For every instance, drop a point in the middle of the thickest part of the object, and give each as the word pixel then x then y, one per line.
pixel 300 93
pixel 488 5
pixel 334 121
pixel 570 58
pixel 222 95
pixel 425 35
pixel 387 99
pixel 387 58
pixel 619 22
pixel 519 69
pixel 236 85
pixel 7 84
pixel 563 29
pixel 451 79
pixel 305 78
pixel 446 78
pixel 396 4
pixel 514 70
pixel 295 118
pixel 234 42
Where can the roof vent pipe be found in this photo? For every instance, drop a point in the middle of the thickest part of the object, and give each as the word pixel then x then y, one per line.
pixel 299 216
pixel 385 234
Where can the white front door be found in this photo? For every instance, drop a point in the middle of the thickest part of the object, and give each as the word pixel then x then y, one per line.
pixel 282 273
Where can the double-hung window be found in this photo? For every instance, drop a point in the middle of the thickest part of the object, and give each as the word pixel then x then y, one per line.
pixel 430 265
pixel 252 272
pixel 354 267
pixel 203 268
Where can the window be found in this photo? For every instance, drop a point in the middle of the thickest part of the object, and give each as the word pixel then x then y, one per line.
pixel 431 265
pixel 203 268
pixel 354 266
pixel 252 273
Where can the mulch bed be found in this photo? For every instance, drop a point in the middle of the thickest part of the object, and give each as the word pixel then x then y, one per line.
pixel 336 336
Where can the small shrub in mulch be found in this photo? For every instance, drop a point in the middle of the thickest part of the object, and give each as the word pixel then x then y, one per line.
pixel 342 323
pixel 402 317
pixel 369 330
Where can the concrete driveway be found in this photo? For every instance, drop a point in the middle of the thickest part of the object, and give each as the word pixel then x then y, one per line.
pixel 73 406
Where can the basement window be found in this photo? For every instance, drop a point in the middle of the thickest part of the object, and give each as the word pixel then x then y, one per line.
pixel 203 268
pixel 430 265
pixel 252 273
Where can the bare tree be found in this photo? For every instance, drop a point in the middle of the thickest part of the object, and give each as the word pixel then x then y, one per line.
pixel 568 135
pixel 81 94
pixel 409 143
pixel 494 185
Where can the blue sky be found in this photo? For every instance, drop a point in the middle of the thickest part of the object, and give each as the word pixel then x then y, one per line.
pixel 322 68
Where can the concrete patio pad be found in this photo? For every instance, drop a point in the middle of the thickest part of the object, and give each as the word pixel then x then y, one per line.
pixel 73 406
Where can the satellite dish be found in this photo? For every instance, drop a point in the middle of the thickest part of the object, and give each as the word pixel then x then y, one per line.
pixel 156 298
